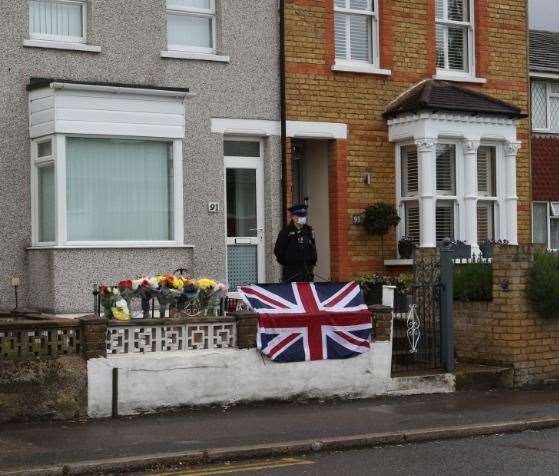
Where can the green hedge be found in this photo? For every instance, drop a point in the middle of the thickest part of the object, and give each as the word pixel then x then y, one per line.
pixel 543 284
pixel 473 282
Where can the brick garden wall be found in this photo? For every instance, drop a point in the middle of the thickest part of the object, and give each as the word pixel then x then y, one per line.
pixel 407 37
pixel 507 331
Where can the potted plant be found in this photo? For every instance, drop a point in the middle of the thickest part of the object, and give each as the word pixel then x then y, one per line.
pixel 406 247
pixel 378 220
pixel 372 284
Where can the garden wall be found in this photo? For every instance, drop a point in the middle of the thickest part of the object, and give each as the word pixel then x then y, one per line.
pixel 507 331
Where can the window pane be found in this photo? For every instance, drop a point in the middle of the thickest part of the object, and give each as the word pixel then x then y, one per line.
pixel 241 203
pixel 457 49
pixel 341 3
pixel 44 149
pixel 241 148
pixel 540 223
pixel 440 46
pixel 539 105
pixel 189 3
pixel 46 203
pixel 485 221
pixel 554 113
pixel 439 9
pixel 341 35
pixel 189 30
pixel 359 32
pixel 444 221
pixel 359 4
pixel 486 171
pixel 446 160
pixel 412 221
pixel 119 190
pixel 458 10
pixel 554 233
pixel 410 182
pixel 53 18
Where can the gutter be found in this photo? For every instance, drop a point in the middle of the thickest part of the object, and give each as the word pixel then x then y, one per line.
pixel 283 113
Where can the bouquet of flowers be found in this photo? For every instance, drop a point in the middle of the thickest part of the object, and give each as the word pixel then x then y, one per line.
pixel 115 304
pixel 211 295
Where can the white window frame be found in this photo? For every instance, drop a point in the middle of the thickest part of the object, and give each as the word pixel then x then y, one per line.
pixel 374 42
pixel 470 30
pixel 197 12
pixel 61 38
pixel 550 216
pixel 548 95
pixel 58 158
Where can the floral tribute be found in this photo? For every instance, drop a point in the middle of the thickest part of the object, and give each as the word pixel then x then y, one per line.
pixel 178 294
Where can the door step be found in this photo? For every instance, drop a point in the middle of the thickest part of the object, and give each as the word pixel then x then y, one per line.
pixel 483 377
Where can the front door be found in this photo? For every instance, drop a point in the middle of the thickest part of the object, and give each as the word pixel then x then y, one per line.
pixel 244 184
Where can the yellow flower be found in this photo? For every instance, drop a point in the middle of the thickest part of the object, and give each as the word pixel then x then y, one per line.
pixel 206 283
pixel 120 314
pixel 178 283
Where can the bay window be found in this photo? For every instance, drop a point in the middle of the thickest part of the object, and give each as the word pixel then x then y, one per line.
pixel 105 191
pixel 356 31
pixel 191 25
pixel 58 20
pixel 410 190
pixel 455 36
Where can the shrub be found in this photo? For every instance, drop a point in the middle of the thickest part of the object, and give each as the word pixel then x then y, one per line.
pixel 543 284
pixel 379 219
pixel 473 282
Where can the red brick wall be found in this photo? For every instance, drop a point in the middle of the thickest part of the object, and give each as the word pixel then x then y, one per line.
pixel 545 167
pixel 407 37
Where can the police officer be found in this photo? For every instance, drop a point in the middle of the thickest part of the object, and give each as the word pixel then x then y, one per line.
pixel 295 248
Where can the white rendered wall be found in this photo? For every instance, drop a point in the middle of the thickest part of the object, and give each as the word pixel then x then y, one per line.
pixel 152 382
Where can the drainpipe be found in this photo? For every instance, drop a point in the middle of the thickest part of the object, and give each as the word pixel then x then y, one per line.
pixel 283 112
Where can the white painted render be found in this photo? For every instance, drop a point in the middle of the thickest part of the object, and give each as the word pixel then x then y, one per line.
pixel 296 129
pixel 153 382
pixel 103 110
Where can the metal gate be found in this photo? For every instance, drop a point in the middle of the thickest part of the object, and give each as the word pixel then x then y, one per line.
pixel 422 333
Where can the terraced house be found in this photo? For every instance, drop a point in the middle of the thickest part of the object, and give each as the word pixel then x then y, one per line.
pixel 128 144
pixel 417 103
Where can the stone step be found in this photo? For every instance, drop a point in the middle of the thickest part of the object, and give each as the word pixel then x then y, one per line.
pixel 482 377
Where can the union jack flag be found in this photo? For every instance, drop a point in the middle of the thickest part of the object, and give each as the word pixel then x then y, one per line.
pixel 309 321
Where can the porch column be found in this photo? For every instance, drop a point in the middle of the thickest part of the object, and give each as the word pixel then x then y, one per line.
pixel 426 153
pixel 511 197
pixel 470 148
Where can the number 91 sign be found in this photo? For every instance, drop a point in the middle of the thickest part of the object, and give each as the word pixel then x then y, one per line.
pixel 213 207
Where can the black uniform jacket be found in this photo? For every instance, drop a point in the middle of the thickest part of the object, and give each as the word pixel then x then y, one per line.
pixel 295 246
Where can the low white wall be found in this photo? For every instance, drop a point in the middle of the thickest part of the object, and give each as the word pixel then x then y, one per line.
pixel 151 382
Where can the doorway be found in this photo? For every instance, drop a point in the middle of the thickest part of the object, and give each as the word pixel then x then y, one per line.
pixel 311 186
pixel 244 211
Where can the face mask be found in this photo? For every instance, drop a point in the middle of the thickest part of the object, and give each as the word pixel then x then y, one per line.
pixel 301 221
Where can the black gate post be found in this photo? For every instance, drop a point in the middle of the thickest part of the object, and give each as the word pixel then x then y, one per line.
pixel 447 303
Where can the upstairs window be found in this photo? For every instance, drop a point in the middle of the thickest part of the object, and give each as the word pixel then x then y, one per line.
pixel 545 105
pixel 57 20
pixel 191 25
pixel 356 31
pixel 455 33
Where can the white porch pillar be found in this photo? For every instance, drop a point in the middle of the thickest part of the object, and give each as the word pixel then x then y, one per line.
pixel 511 197
pixel 470 148
pixel 426 152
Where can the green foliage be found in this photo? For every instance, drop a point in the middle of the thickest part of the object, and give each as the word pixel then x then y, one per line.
pixel 543 284
pixel 379 218
pixel 473 282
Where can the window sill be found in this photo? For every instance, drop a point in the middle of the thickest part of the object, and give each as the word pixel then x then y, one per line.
pixel 398 262
pixel 61 45
pixel 360 68
pixel 186 55
pixel 458 78
pixel 128 246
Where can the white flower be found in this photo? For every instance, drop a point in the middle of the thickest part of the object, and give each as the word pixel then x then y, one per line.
pixel 121 304
pixel 154 282
pixel 136 283
pixel 116 291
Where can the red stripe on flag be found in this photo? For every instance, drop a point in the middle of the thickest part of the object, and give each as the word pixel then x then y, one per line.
pixel 314 321
pixel 284 343
pixel 264 298
pixel 341 296
pixel 353 340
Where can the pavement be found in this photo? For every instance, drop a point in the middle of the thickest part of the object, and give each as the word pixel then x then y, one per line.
pixel 267 430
